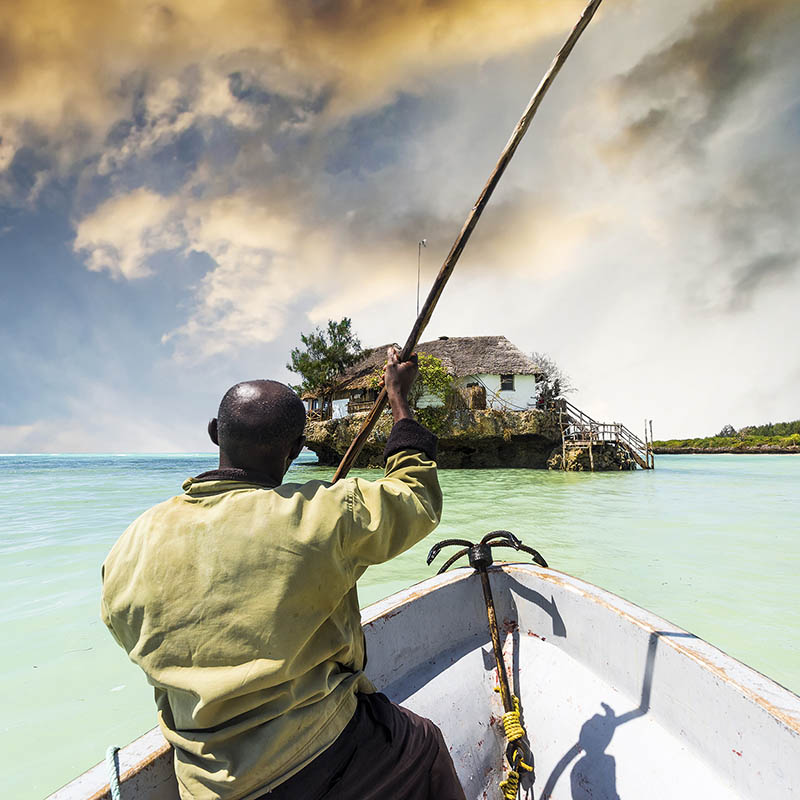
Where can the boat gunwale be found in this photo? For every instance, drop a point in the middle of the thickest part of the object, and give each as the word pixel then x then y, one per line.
pixel 783 705
pixel 140 766
pixel 713 660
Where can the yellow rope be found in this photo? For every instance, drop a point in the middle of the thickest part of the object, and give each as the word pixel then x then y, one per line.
pixel 512 725
pixel 510 786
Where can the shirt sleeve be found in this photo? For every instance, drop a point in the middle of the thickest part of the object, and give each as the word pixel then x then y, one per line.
pixel 408 434
pixel 105 613
pixel 393 513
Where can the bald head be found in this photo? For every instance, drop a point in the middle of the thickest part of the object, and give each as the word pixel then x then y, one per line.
pixel 259 422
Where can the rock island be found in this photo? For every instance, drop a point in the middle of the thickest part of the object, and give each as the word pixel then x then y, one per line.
pixel 490 405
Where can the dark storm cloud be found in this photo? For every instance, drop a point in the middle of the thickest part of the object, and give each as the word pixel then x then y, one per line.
pixel 185 98
pixel 708 109
pixel 25 168
pixel 755 219
pixel 755 274
pixel 688 87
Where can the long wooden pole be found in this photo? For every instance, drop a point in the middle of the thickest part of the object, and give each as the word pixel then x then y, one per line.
pixel 472 220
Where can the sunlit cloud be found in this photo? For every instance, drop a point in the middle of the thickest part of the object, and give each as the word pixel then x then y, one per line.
pixel 78 63
pixel 125 231
pixel 245 296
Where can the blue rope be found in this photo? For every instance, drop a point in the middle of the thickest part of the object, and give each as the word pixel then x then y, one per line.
pixel 113 772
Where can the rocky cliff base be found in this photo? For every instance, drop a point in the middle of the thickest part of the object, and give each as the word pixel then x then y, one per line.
pixel 603 458
pixel 469 440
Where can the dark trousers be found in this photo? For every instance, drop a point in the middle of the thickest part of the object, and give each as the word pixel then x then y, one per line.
pixel 386 752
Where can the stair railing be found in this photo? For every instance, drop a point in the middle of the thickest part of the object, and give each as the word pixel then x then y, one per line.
pixel 577 426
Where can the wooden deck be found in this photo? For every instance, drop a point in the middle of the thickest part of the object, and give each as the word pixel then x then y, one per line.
pixel 579 430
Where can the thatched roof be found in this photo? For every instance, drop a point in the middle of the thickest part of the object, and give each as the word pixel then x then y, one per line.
pixel 460 355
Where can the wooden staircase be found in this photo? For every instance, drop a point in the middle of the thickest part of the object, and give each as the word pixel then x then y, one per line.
pixel 579 430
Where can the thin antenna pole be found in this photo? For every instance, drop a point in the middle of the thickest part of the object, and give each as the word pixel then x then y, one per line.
pixel 420 244
pixel 474 215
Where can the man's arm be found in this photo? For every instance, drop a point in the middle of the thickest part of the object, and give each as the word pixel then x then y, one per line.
pixel 393 513
pixel 398 378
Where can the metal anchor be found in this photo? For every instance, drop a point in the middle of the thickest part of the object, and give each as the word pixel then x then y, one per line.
pixel 480 559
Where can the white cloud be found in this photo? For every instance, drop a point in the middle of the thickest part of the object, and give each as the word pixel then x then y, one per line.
pixel 103 421
pixel 124 232
pixel 70 434
pixel 214 100
pixel 256 275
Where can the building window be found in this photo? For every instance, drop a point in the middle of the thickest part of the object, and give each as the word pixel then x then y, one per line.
pixel 506 383
pixel 314 404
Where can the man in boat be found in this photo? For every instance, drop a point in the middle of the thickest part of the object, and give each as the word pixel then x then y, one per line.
pixel 238 600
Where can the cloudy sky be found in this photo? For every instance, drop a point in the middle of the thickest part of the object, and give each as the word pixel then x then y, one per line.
pixel 186 186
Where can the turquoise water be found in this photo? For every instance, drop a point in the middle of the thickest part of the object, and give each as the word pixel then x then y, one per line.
pixel 712 543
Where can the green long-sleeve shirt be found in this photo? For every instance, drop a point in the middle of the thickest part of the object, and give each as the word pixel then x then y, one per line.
pixel 239 603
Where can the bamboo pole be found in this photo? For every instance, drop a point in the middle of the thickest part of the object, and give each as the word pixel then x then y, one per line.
pixel 472 220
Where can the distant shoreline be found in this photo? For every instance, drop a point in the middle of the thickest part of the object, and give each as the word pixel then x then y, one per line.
pixel 765 450
pixel 780 438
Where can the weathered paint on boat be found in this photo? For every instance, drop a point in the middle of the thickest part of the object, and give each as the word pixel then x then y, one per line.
pixel 617 702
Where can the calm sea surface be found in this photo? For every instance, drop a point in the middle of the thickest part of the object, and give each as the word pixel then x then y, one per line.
pixel 712 543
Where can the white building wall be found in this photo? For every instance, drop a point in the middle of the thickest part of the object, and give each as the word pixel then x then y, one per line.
pixel 339 409
pixel 523 396
pixel 429 401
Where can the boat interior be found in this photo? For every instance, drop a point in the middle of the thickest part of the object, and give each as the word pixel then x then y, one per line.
pixel 616 702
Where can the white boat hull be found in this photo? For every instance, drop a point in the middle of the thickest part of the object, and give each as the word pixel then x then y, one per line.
pixel 617 702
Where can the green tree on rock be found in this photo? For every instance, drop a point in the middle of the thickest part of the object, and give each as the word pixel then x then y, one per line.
pixel 433 381
pixel 325 355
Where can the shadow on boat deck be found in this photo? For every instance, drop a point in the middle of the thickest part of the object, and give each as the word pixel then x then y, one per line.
pixel 594 776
